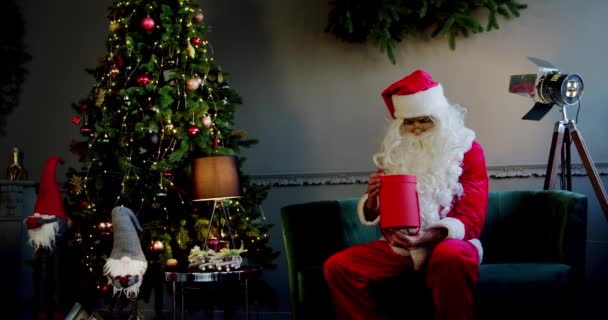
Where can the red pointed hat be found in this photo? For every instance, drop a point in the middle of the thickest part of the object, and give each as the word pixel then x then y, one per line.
pixel 49 201
pixel 415 95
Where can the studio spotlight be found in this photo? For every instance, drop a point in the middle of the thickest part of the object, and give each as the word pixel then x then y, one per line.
pixel 548 87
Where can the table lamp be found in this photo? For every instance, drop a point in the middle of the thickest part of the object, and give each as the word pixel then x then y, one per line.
pixel 216 178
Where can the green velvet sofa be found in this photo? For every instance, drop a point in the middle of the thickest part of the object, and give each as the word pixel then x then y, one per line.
pixel 533 266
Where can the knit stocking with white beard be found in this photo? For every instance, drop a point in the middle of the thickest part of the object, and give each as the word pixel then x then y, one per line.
pixel 434 158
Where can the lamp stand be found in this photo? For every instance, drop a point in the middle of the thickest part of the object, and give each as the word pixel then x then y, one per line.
pixel 565 131
pixel 225 214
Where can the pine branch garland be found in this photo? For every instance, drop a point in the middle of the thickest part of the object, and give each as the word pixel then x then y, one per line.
pixel 386 23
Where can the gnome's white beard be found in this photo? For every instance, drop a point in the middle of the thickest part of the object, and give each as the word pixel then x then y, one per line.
pixel 435 159
pixel 43 237
pixel 123 267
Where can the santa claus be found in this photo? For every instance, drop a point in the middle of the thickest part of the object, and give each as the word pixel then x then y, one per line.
pixel 426 138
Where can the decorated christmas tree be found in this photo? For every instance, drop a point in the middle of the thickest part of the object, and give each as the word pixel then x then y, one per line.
pixel 159 102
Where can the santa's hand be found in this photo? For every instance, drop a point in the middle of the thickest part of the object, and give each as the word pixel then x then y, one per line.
pixel 408 237
pixel 373 188
pixel 402 237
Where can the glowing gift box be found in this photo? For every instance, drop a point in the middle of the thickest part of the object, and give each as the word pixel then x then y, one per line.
pixel 399 207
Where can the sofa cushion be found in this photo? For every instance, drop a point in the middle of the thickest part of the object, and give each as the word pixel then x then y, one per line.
pixel 521 289
pixel 353 231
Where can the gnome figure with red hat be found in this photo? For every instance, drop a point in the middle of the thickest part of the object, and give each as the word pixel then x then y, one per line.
pixel 46 229
pixel 127 264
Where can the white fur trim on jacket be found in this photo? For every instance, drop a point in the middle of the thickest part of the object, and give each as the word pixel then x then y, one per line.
pixel 429 102
pixel 455 227
pixel 361 213
pixel 479 248
pixel 419 255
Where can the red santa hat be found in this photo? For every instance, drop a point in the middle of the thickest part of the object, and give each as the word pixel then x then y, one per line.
pixel 49 201
pixel 415 95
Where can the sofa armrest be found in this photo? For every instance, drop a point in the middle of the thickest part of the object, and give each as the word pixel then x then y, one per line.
pixel 536 226
pixel 311 233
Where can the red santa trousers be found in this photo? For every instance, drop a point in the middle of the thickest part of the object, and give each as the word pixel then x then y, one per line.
pixel 451 275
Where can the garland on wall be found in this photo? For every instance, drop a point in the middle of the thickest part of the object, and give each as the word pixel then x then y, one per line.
pixel 385 23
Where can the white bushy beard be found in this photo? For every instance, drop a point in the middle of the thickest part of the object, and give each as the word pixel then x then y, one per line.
pixel 434 157
pixel 44 236
pixel 123 267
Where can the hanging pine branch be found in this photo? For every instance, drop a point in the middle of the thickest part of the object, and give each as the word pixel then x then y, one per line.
pixel 385 23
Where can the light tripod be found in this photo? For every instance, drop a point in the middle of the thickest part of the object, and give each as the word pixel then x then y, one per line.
pixel 565 131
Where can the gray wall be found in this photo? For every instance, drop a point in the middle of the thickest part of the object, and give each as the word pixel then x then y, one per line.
pixel 314 102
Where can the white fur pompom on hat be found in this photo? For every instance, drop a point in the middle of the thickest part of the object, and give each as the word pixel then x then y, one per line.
pixel 127 263
pixel 416 95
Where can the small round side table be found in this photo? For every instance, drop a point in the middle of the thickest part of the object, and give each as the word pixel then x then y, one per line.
pixel 242 274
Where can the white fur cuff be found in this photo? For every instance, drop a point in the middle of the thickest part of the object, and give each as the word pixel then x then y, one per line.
pixel 361 213
pixel 479 248
pixel 455 227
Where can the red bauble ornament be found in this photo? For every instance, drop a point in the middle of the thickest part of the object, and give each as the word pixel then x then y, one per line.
pixel 193 130
pixel 143 80
pixel 75 119
pixel 86 130
pixel 213 243
pixel 168 174
pixel 147 23
pixel 195 41
pixel 83 204
pixel 216 143
pixel 84 106
pixel 119 59
pixel 198 17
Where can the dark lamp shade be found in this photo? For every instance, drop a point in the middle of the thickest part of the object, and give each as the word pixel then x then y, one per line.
pixel 216 178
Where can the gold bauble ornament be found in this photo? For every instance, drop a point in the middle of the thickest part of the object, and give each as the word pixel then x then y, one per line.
pixel 169 127
pixel 114 26
pixel 207 122
pixel 193 83
pixel 171 262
